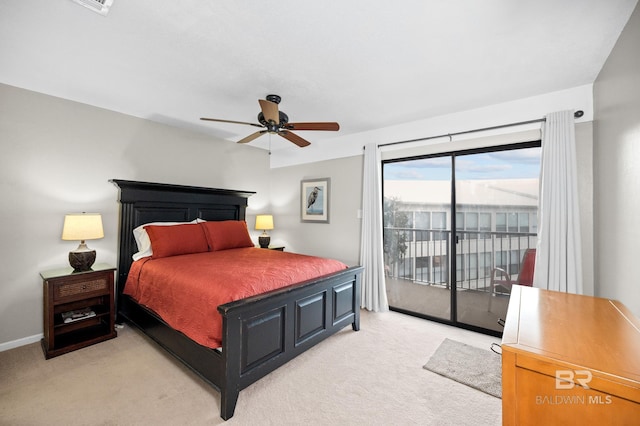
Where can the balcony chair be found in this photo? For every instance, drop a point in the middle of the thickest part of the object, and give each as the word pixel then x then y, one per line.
pixel 500 277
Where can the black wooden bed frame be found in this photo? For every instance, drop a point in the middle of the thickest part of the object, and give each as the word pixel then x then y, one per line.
pixel 260 333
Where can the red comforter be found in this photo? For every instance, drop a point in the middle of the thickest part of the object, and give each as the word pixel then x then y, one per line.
pixel 187 290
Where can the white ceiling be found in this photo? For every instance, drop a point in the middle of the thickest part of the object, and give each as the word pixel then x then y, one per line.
pixel 366 64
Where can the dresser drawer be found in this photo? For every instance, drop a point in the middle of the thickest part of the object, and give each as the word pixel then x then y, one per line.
pixel 63 291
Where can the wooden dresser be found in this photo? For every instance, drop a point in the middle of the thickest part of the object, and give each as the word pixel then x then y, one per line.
pixel 569 359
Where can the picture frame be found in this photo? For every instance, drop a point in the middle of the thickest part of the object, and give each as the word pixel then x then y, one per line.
pixel 314 200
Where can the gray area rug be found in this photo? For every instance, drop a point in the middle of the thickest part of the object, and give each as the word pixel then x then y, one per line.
pixel 479 368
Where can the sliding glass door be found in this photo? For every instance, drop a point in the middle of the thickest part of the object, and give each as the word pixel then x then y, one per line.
pixel 496 221
pixel 456 227
pixel 417 236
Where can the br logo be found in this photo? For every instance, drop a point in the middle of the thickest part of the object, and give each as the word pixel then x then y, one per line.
pixel 567 379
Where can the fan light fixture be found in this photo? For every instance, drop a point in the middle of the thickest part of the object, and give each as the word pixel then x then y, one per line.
pixel 81 227
pixel 264 222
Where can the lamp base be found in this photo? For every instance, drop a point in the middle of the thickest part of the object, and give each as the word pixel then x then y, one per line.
pixel 264 241
pixel 82 260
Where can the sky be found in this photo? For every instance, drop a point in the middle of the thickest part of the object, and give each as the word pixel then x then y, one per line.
pixel 512 164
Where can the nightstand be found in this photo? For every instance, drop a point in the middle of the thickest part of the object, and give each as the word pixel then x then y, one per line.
pixel 78 308
pixel 279 248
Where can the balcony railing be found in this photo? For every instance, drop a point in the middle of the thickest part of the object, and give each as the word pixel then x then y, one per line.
pixel 422 255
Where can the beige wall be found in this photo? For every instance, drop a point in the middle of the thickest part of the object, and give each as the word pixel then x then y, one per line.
pixel 340 238
pixel 57 157
pixel 617 169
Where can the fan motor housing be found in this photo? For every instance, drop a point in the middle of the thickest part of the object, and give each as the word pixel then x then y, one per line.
pixel 284 119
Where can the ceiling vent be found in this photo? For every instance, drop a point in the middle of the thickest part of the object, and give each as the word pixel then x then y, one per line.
pixel 98 6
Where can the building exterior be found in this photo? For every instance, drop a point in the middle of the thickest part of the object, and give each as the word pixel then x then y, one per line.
pixel 495 222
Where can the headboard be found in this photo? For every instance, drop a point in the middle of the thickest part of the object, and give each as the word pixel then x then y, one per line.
pixel 144 202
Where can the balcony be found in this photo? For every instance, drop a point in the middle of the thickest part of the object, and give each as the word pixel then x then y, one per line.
pixel 419 275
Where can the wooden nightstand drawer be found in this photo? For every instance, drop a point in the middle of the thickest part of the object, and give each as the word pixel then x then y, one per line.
pixel 65 290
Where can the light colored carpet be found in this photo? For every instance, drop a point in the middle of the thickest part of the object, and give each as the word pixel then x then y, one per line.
pixel 479 368
pixel 369 377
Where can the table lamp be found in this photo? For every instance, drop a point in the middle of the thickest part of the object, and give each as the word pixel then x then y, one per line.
pixel 82 226
pixel 264 222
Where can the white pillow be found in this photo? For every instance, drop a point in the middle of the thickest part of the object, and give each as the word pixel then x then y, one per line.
pixel 142 238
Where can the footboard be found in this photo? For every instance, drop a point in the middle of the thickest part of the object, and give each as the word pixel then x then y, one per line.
pixel 264 332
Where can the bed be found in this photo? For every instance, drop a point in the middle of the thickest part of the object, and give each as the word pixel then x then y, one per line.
pixel 259 333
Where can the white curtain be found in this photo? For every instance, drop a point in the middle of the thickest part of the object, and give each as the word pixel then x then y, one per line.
pixel 558 255
pixel 374 295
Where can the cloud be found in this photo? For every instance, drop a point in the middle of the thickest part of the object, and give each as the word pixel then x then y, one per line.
pixel 518 156
pixel 404 174
pixel 467 166
pixel 425 163
pixel 510 164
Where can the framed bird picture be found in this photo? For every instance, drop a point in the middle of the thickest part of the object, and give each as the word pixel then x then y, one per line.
pixel 314 200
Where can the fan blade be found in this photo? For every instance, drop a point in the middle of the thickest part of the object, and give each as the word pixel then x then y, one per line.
pixel 231 121
pixel 252 136
pixel 331 126
pixel 292 137
pixel 270 110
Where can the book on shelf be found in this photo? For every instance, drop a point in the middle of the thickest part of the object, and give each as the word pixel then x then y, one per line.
pixel 77 315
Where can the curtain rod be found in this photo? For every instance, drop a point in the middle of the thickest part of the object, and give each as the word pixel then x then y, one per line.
pixel 577 114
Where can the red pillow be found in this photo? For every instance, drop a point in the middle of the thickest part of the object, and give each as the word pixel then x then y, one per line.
pixel 227 234
pixel 175 240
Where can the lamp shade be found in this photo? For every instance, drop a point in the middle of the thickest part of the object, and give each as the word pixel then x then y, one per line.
pixel 82 226
pixel 264 221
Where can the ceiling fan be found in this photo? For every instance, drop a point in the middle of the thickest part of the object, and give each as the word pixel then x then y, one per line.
pixel 276 122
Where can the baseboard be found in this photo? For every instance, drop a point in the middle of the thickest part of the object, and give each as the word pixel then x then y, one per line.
pixel 20 342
